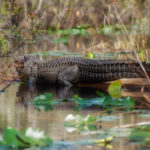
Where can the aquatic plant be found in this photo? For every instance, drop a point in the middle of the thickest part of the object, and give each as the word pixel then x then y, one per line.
pixel 14 139
pixel 44 102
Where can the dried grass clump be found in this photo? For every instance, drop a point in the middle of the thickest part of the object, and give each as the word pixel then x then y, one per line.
pixel 132 15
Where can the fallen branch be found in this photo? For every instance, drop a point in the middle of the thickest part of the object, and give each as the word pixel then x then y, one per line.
pixel 3 89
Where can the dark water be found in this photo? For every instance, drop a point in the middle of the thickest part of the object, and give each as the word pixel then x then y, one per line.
pixel 15 110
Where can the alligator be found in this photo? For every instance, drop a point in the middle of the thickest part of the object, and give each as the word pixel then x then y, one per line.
pixel 70 71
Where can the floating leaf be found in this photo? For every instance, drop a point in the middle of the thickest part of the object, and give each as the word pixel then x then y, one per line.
pixel 44 102
pixel 105 101
pixel 127 101
pixel 83 102
pixel 91 55
pixel 115 89
pixel 14 139
pixel 110 102
pixel 10 138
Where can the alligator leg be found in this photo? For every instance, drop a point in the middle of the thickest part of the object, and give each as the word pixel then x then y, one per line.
pixel 68 75
pixel 32 81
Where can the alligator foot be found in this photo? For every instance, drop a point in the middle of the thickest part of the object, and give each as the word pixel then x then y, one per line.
pixel 68 75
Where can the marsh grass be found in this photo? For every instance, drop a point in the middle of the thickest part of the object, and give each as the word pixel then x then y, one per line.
pixel 121 25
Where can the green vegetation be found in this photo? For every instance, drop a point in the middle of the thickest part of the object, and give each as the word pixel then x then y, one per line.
pixel 141 135
pixel 44 102
pixel 13 139
pixel 35 139
pixel 104 101
pixel 89 123
pixel 115 89
pixel 138 135
pixel 97 29
pixel 66 33
pixel 74 31
pixel 113 24
pixel 90 55
pixel 4 43
pixel 79 123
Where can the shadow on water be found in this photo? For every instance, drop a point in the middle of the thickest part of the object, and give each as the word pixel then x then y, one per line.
pixel 63 94
pixel 60 92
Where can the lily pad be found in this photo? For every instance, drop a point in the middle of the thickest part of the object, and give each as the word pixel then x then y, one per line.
pixel 44 102
pixel 115 89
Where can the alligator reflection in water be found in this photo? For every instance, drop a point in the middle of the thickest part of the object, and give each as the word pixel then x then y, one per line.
pixel 26 93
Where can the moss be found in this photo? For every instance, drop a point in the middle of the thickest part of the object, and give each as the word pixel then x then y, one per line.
pixel 4 44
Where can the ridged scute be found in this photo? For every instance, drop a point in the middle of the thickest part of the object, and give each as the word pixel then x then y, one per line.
pixel 89 70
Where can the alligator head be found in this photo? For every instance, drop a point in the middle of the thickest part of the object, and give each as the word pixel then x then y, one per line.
pixel 26 66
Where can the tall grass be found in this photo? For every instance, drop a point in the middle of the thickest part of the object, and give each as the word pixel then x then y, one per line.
pixel 131 15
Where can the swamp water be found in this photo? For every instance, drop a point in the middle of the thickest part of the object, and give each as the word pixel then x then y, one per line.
pixel 16 111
